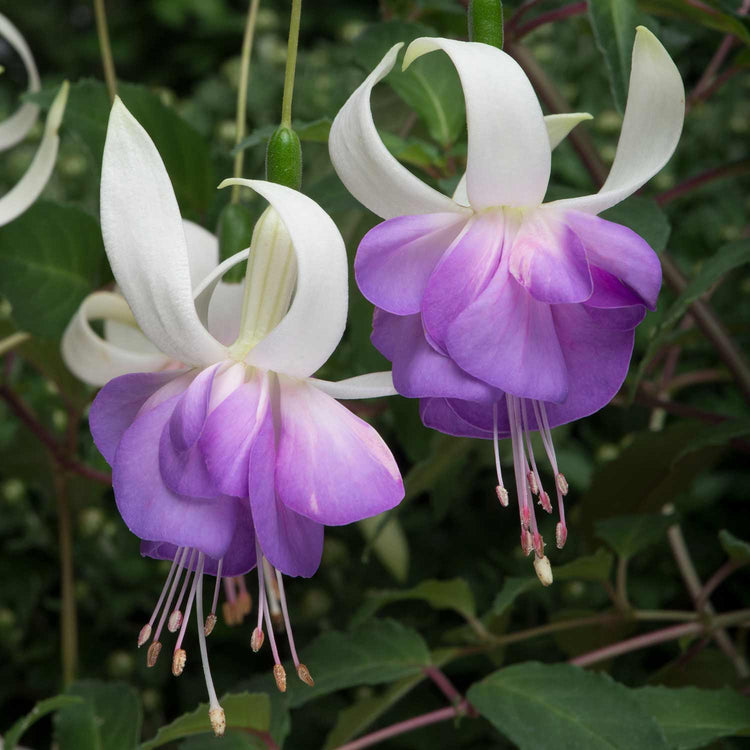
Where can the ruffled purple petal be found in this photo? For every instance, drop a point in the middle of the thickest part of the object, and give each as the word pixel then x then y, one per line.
pixel 117 404
pixel 228 436
pixel 189 416
pixel 150 509
pixel 508 339
pixel 549 260
pixel 395 258
pixel 462 274
pixel 292 543
pixel 238 559
pixel 418 370
pixel 620 251
pixel 437 414
pixel 331 466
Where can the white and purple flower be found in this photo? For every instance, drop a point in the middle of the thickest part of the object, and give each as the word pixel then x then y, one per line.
pixel 231 453
pixel 503 314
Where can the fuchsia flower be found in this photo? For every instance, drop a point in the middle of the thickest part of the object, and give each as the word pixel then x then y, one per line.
pixel 232 455
pixel 503 314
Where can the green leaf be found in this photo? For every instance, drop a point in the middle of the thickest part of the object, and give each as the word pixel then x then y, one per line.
pixel 716 435
pixel 109 718
pixel 614 22
pixel 693 718
pixel 628 535
pixel 511 590
pixel 736 549
pixel 249 712
pixel 643 216
pixel 389 543
pixel 726 259
pixel 430 86
pixel 51 257
pixel 706 14
pixel 375 652
pixel 41 709
pixel 454 594
pixel 561 707
pixel 594 567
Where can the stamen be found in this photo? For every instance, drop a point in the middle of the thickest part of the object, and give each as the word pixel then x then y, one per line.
pixel 302 671
pixel 502 493
pixel 229 608
pixel 256 641
pixel 175 619
pixel 145 633
pixel 520 464
pixel 279 674
pixel 155 648
pixel 561 535
pixel 535 481
pixel 543 570
pixel 210 624
pixel 272 595
pixel 244 600
pixel 215 711
pixel 180 656
pixel 304 674
pixel 545 502
pixel 562 483
pixel 153 653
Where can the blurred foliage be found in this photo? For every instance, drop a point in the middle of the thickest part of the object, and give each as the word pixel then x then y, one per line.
pixel 458 585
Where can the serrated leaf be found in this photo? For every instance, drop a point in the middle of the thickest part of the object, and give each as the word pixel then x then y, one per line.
pixel 693 718
pixel 561 707
pixel 596 567
pixel 628 535
pixel 51 257
pixel 511 590
pixel 41 709
pixel 109 718
pixel 430 86
pixel 614 22
pixel 244 711
pixel 736 549
pixel 454 594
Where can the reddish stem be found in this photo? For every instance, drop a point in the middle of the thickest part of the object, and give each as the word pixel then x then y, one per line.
pixel 566 11
pixel 710 175
pixel 433 717
pixel 715 580
pixel 521 11
pixel 447 688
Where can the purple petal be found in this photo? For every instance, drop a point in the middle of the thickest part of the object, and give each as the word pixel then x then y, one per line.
pixel 597 359
pixel 117 405
pixel 437 414
pixel 292 543
pixel 621 252
pixel 331 467
pixel 395 259
pixel 418 370
pixel 228 436
pixel 507 339
pixel 152 511
pixel 548 259
pixel 462 274
pixel 238 559
pixel 191 411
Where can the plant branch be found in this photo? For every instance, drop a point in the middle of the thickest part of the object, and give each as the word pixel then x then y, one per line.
pixel 726 570
pixel 710 175
pixel 105 48
pixel 660 636
pixel 291 64
pixel 446 687
pixel 566 11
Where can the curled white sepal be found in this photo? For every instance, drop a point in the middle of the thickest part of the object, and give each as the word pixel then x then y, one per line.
pixel 315 321
pixel 651 127
pixel 371 385
pixel 95 360
pixel 145 242
pixel 508 160
pixel 367 168
pixel 14 128
pixel 27 189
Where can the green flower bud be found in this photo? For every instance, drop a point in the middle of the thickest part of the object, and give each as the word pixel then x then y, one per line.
pixel 486 22
pixel 284 158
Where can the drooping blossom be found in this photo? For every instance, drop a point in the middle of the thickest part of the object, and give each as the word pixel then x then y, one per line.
pixel 14 129
pixel 238 458
pixel 503 314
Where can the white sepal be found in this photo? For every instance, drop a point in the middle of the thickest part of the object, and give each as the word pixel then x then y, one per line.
pixel 371 385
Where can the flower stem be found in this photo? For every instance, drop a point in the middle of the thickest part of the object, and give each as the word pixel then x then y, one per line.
pixel 660 636
pixel 573 9
pixel 68 615
pixel 433 717
pixel 446 687
pixel 735 169
pixel 12 341
pixel 241 123
pixel 291 64
pixel 729 567
pixel 106 50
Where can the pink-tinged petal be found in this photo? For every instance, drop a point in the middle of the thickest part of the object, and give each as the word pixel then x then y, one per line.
pixel 596 357
pixel 238 559
pixel 292 543
pixel 462 274
pixel 437 414
pixel 508 161
pixel 117 404
pixel 418 370
pixel 549 260
pixel 331 467
pixel 229 433
pixel 620 251
pixel 507 339
pixel 395 258
pixel 190 414
pixel 152 511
